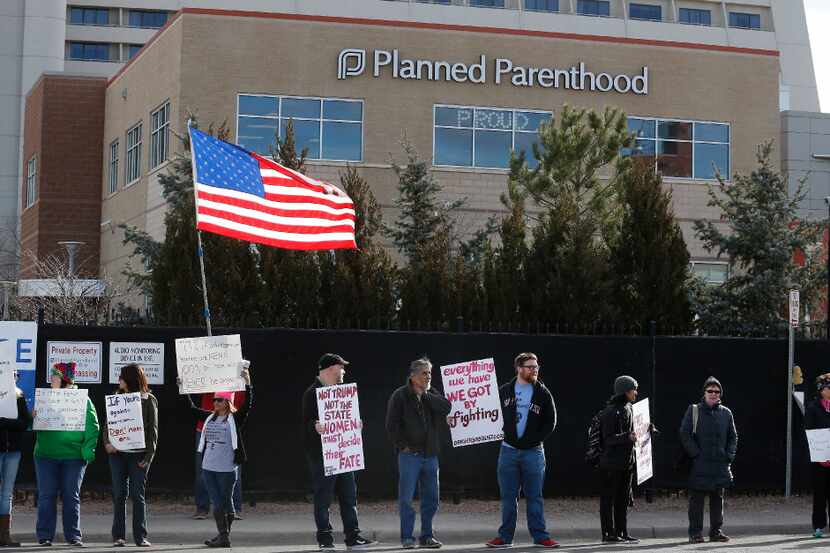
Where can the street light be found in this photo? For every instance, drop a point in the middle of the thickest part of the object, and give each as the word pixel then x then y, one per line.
pixel 827 251
pixel 72 247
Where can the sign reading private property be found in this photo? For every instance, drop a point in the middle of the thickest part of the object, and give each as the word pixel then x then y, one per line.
pixel 642 449
pixel 149 355
pixel 819 442
pixel 8 389
pixel 86 356
pixel 473 391
pixel 60 409
pixel 342 437
pixel 125 425
pixel 209 364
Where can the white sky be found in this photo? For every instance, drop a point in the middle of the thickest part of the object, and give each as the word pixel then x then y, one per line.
pixel 818 24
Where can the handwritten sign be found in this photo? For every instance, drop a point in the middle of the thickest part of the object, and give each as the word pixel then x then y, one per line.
pixel 819 442
pixel 60 409
pixel 209 364
pixel 342 439
pixel 87 356
pixel 8 389
pixel 473 390
pixel 125 424
pixel 642 449
pixel 149 355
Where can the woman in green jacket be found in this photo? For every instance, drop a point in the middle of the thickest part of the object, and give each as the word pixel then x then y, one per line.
pixel 61 458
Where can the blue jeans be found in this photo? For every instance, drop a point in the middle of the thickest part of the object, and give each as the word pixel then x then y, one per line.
pixel 64 477
pixel 200 493
pixel 220 489
pixel 525 469
pixel 8 473
pixel 127 475
pixel 417 471
pixel 324 488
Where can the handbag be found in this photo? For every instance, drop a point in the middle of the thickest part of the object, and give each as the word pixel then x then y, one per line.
pixel 682 461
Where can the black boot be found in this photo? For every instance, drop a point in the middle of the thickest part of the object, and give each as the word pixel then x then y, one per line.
pixel 221 540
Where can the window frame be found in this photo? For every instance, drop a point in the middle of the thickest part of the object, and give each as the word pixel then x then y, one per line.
pixel 473 5
pixel 541 10
pixel 136 147
pixel 90 8
pixel 31 181
pixel 164 144
pixel 702 262
pixel 597 3
pixel 112 177
pixel 657 7
pixel 86 43
pixel 142 11
pixel 322 99
pixel 749 15
pixel 697 12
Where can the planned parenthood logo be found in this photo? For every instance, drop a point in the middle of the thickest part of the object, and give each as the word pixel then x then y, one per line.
pixel 351 63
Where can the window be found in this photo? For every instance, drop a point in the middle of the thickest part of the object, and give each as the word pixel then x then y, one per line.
pixel 745 20
pixel 686 149
pixel 329 128
pixel 112 181
pixel 146 18
pixel 133 166
pixel 593 7
pixel 483 137
pixel 542 5
pixel 645 11
pixel 487 3
pixel 159 135
pixel 695 17
pixel 714 272
pixel 31 181
pixel 132 50
pixel 89 16
pixel 90 51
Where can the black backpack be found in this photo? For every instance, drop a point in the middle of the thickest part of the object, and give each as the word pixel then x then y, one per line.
pixel 594 449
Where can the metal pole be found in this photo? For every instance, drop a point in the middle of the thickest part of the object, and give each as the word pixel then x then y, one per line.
pixel 827 252
pixel 790 364
pixel 201 254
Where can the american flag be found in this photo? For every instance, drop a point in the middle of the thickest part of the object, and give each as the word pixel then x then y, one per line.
pixel 246 196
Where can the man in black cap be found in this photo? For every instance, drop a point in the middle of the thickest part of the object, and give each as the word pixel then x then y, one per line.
pixel 331 370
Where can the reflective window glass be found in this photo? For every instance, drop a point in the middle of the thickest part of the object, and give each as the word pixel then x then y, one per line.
pixel 257 134
pixel 454 117
pixel 342 141
pixel 674 159
pixel 258 105
pixel 342 110
pixel 524 143
pixel 711 132
pixel 494 119
pixel 453 147
pixel 674 130
pixel 694 16
pixel 709 158
pixel 641 128
pixel 645 11
pixel 493 149
pixel 301 107
pixel 542 5
pixel 593 7
pixel 530 121
pixel 306 135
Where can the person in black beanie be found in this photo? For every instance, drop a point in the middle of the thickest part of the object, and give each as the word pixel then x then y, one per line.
pixel 616 463
pixel 712 447
pixel 817 415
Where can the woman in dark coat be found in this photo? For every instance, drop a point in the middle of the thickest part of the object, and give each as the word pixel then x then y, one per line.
pixel 817 415
pixel 712 447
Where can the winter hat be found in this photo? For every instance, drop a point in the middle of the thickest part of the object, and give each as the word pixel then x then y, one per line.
pixel 823 381
pixel 624 384
pixel 66 371
pixel 224 395
pixel 712 381
pixel 329 359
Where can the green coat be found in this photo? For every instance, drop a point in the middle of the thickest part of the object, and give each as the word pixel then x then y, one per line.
pixel 57 444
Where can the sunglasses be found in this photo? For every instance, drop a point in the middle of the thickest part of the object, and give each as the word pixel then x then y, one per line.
pixel 218 399
pixel 717 392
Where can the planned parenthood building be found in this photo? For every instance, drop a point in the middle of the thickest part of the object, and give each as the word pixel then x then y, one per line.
pixel 701 85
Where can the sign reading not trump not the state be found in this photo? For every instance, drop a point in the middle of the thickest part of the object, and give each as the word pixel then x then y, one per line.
pixel 342 437
pixel 209 364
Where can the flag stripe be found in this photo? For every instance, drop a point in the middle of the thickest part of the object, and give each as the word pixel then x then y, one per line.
pixel 217 209
pixel 330 199
pixel 277 208
pixel 222 222
pixel 286 244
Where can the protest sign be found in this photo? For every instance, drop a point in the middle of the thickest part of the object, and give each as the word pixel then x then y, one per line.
pixel 209 364
pixel 23 337
pixel 86 355
pixel 342 439
pixel 642 449
pixel 60 409
pixel 149 355
pixel 125 424
pixel 819 442
pixel 8 389
pixel 472 388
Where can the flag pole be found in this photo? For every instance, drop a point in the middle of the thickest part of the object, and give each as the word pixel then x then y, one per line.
pixel 200 252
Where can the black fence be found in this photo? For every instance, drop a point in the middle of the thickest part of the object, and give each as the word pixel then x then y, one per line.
pixel 578 369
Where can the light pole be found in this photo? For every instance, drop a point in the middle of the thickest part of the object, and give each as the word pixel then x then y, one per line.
pixel 827 252
pixel 71 249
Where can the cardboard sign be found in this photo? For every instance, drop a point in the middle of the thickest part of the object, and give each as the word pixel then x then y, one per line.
pixel 342 438
pixel 819 442
pixel 8 389
pixel 149 355
pixel 125 423
pixel 86 355
pixel 60 409
pixel 209 364
pixel 642 449
pixel 472 388
pixel 22 336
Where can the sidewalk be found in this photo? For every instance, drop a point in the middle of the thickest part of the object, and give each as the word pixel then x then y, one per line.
pixel 470 522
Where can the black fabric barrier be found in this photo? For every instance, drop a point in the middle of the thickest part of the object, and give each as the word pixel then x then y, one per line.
pixel 579 370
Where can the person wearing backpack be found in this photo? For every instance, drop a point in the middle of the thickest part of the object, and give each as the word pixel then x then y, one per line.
pixel 711 447
pixel 817 415
pixel 616 461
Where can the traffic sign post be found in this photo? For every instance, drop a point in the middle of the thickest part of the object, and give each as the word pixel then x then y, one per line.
pixel 793 320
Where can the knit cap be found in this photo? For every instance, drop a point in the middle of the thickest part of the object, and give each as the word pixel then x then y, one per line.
pixel 66 371
pixel 624 384
pixel 712 381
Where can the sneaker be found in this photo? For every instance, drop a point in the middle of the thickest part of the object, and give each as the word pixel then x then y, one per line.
pixel 548 544
pixel 628 539
pixel 498 543
pixel 120 542
pixel 144 543
pixel 819 533
pixel 429 543
pixel 695 539
pixel 325 546
pixel 237 516
pixel 45 543
pixel 200 515
pixel 610 538
pixel 76 542
pixel 359 542
pixel 720 536
pixel 408 544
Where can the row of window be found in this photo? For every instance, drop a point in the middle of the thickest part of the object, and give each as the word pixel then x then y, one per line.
pixel 149 19
pixel 101 51
pixel 159 149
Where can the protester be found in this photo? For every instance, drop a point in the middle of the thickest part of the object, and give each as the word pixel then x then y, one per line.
pixel 616 463
pixel 330 371
pixel 61 458
pixel 11 437
pixel 414 416
pixel 223 449
pixel 817 415
pixel 529 419
pixel 129 468
pixel 712 448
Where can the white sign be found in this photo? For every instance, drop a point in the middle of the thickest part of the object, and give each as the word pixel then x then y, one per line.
pixel 472 389
pixel 149 355
pixel 8 389
pixel 209 364
pixel 794 301
pixel 342 439
pixel 819 442
pixel 60 409
pixel 23 338
pixel 125 423
pixel 86 355
pixel 351 62
pixel 642 449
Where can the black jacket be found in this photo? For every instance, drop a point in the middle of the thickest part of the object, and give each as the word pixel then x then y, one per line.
pixel 414 423
pixel 815 416
pixel 541 419
pixel 617 424
pixel 712 448
pixel 311 438
pixel 240 416
pixel 11 430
